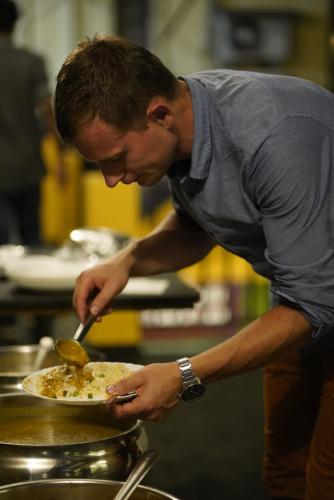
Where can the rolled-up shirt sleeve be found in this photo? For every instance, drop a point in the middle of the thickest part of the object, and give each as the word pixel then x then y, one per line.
pixel 291 180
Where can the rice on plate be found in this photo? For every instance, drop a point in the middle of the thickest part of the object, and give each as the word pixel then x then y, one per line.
pixel 69 383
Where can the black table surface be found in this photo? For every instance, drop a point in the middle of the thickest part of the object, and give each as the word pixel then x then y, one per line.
pixel 14 299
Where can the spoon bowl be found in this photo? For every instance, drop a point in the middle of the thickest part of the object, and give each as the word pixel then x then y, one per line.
pixel 72 352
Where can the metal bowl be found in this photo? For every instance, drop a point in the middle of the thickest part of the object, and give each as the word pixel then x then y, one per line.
pixel 84 489
pixel 92 243
pixel 40 439
pixel 9 254
pixel 16 362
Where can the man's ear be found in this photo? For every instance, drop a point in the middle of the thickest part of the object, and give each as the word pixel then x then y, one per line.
pixel 160 113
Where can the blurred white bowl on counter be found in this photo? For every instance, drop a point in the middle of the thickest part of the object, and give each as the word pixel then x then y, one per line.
pixel 45 272
pixel 10 254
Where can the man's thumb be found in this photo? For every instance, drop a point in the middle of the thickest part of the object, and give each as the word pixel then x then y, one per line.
pixel 122 387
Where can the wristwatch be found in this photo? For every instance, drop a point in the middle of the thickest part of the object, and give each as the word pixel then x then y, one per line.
pixel 192 386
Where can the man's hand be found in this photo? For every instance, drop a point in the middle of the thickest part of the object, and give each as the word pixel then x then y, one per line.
pixel 96 287
pixel 157 385
pixel 270 337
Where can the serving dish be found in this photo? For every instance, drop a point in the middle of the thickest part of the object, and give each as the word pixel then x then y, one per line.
pixel 40 439
pixel 91 390
pixel 17 362
pixel 83 489
pixel 9 254
pixel 45 272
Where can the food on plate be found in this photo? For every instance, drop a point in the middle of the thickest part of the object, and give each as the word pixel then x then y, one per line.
pixel 66 382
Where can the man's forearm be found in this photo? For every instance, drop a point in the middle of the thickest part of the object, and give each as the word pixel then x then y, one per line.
pixel 266 339
pixel 174 244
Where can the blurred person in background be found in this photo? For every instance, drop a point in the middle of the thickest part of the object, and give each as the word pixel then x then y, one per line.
pixel 25 116
pixel 250 162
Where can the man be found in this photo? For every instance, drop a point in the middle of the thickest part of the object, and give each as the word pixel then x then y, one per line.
pixel 249 158
pixel 25 115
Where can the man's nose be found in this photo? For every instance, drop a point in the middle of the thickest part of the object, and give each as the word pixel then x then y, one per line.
pixel 112 176
pixel 112 180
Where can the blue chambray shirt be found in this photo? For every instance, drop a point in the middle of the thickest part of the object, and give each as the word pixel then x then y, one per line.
pixel 260 182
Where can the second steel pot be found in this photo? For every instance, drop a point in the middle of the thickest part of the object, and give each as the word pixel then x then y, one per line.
pixel 40 439
pixel 84 489
pixel 16 362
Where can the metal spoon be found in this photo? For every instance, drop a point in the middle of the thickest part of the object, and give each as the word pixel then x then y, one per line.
pixel 45 345
pixel 140 470
pixel 70 350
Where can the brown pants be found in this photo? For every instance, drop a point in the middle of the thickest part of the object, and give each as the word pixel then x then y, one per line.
pixel 299 427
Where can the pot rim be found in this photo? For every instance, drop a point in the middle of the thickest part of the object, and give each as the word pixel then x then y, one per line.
pixel 82 481
pixel 136 425
pixel 21 349
pixel 30 348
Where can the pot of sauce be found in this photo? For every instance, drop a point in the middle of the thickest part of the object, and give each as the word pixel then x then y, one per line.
pixel 16 362
pixel 83 489
pixel 40 439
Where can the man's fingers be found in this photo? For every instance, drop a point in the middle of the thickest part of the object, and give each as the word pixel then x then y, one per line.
pixel 129 384
pixel 123 410
pixel 81 296
pixel 135 409
pixel 88 297
pixel 100 305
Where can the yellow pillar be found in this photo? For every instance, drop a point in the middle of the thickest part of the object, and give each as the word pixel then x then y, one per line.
pixel 116 208
pixel 59 205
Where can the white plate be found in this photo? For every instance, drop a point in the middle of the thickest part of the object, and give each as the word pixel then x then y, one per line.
pixel 9 254
pixel 29 385
pixel 45 272
pixel 51 272
pixel 140 286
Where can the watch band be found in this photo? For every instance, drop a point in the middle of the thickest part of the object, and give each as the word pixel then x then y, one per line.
pixel 187 372
pixel 192 387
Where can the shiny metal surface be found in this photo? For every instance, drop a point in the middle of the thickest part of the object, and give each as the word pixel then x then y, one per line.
pixel 71 350
pixel 84 489
pixel 108 458
pixel 143 465
pixel 44 347
pixel 93 243
pixel 124 398
pixel 16 362
pixel 83 329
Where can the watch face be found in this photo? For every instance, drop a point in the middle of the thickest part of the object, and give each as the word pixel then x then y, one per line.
pixel 193 392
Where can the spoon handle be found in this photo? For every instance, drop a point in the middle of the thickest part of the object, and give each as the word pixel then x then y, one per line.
pixel 140 470
pixel 83 328
pixel 125 398
pixel 45 346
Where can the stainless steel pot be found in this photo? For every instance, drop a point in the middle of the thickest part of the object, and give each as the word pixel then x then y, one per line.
pixel 16 362
pixel 85 489
pixel 40 439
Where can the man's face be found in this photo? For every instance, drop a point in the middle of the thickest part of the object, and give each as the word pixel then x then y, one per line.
pixel 142 156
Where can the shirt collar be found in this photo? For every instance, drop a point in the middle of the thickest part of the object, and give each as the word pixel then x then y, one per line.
pixel 201 148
